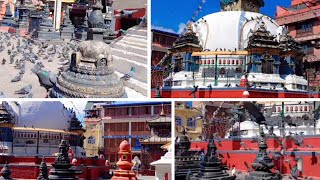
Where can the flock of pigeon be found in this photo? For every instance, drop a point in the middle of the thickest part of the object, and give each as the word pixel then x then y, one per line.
pixel 22 51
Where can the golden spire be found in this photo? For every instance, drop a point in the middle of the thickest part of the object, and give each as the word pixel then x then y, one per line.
pixel 190 28
pixel 162 111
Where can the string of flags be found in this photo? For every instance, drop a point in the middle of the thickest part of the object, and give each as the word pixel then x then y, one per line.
pixel 192 19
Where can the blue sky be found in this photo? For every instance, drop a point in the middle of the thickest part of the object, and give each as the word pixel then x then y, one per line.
pixel 171 15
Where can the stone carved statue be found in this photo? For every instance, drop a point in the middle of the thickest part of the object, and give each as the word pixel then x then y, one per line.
pixel 62 161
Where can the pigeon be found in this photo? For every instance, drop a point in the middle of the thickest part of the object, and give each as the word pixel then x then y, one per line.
pixel 2 95
pixel 233 171
pixel 25 90
pixel 17 78
pixel 4 61
pixel 47 79
pixel 126 77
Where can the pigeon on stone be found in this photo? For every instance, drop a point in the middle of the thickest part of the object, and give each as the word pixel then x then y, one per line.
pixel 17 78
pixel 25 90
pixel 2 95
pixel 47 79
pixel 126 77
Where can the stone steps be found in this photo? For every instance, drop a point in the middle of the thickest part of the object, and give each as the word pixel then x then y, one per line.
pixel 129 51
pixel 135 44
pixel 117 51
pixel 124 66
pixel 140 32
pixel 135 85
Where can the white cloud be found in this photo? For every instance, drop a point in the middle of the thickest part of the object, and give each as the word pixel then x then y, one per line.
pixel 163 29
pixel 182 26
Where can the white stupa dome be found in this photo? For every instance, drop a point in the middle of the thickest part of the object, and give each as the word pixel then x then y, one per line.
pixel 229 29
pixel 41 114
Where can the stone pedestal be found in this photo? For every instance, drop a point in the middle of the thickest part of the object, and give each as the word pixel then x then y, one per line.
pixel 125 165
pixel 90 74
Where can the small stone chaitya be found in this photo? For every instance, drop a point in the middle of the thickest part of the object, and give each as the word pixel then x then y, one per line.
pixel 62 167
pixel 185 161
pixel 210 167
pixel 263 164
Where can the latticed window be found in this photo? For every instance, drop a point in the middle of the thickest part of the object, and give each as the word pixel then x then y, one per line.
pixel 91 140
pixel 191 122
pixel 178 121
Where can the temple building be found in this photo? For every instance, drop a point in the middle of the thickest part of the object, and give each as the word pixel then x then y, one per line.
pixel 30 135
pixel 128 121
pixel 251 56
pixel 303 25
pixel 160 138
pixel 114 122
pixel 161 42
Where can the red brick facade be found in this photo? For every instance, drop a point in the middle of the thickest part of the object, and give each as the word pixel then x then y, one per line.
pixel 303 22
pixel 161 42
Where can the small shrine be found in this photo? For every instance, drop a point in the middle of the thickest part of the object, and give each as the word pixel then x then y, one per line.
pixel 67 29
pixel 160 128
pixel 61 167
pixel 23 21
pixel 182 50
pixel 98 30
pixel 77 136
pixel 264 50
pixel 210 167
pixel 185 161
pixel 263 164
pixel 8 19
pixel 46 30
pixel 163 165
pixel 125 165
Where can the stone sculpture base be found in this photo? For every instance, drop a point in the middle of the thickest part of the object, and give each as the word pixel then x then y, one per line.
pixel 261 176
pixel 213 173
pixel 124 175
pixel 64 174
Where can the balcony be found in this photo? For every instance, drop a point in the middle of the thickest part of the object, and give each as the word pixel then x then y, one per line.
pixel 309 50
pixel 304 33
